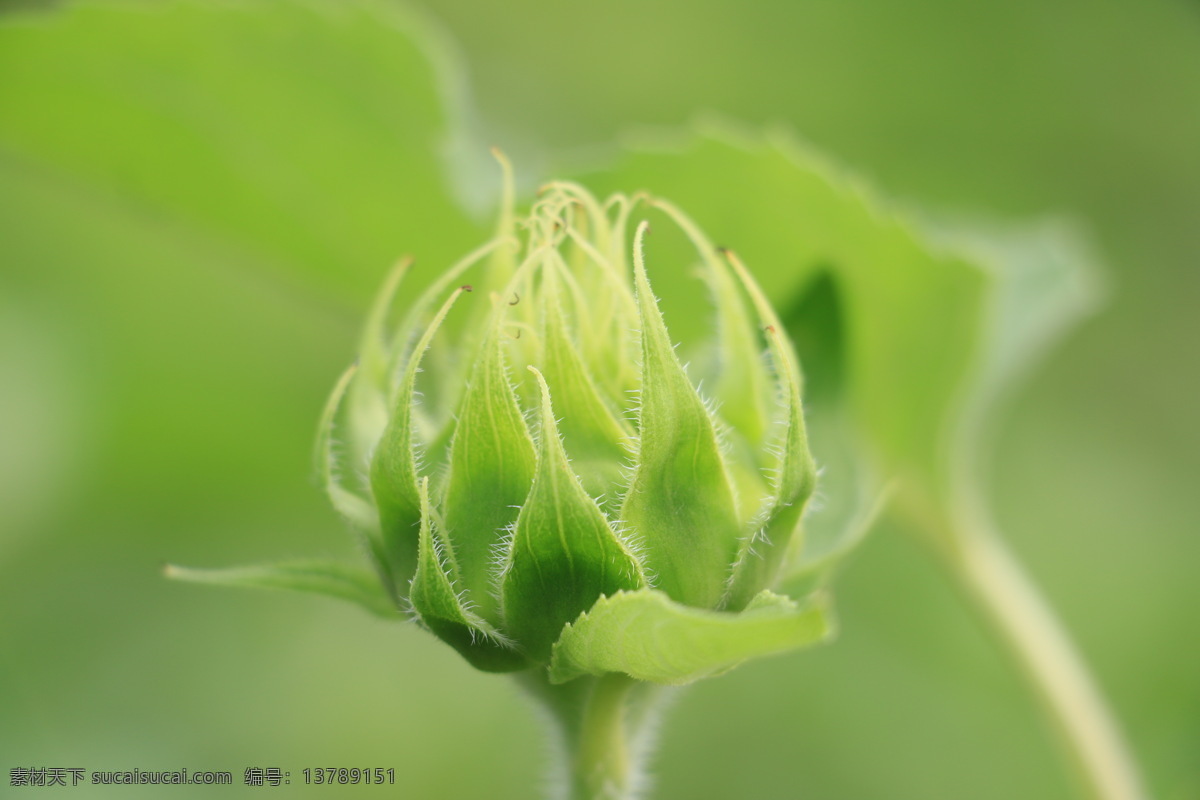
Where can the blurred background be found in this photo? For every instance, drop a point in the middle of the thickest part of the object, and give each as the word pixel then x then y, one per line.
pixel 176 301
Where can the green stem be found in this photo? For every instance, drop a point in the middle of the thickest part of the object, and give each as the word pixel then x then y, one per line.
pixel 601 724
pixel 600 763
pixel 1048 659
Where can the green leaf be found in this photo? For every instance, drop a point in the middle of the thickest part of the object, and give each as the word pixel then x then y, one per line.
pixel 563 554
pixel 234 178
pixel 646 635
pixel 680 504
pixel 441 606
pixel 492 463
pixel 297 136
pixel 355 584
pixel 1043 279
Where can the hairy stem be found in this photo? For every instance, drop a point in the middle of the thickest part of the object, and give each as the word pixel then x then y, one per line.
pixel 600 763
pixel 1049 661
pixel 603 726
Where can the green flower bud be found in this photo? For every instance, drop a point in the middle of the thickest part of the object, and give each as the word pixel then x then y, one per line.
pixel 536 445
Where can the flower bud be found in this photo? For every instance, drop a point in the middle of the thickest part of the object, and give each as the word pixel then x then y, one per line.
pixel 528 442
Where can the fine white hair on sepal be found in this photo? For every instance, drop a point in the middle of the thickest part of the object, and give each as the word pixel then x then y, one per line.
pixel 628 475
pixel 439 553
pixel 464 600
pixel 501 560
pixel 632 542
pixel 406 605
pixel 635 545
pixel 501 555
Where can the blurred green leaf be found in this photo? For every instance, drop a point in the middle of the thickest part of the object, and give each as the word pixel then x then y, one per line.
pixel 301 135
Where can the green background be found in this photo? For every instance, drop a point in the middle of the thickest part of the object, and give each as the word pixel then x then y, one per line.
pixel 182 275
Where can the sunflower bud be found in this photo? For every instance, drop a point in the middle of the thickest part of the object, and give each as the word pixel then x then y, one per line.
pixel 530 445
